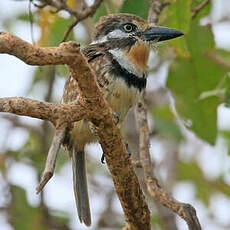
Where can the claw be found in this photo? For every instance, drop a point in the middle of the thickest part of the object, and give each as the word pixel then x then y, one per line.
pixel 103 158
pixel 92 130
pixel 128 149
pixel 117 117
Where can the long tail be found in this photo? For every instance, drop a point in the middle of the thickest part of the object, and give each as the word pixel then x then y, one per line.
pixel 80 186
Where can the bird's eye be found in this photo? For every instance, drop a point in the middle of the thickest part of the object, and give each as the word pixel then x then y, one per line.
pixel 129 27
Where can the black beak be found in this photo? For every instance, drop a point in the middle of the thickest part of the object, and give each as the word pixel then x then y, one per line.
pixel 160 33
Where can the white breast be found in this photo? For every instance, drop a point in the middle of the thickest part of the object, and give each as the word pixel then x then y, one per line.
pixel 121 97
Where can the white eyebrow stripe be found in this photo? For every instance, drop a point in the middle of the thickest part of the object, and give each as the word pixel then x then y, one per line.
pixel 113 34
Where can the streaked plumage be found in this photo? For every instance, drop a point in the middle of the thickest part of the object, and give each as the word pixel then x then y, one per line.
pixel 119 57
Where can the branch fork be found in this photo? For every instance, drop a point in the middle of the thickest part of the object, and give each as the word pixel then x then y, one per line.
pixel 126 184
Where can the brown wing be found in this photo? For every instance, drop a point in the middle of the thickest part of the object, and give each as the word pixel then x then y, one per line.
pixel 79 133
pixel 100 63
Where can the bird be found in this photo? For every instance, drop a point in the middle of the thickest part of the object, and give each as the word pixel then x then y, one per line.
pixel 118 56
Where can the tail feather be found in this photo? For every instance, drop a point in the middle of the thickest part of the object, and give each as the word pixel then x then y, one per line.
pixel 80 186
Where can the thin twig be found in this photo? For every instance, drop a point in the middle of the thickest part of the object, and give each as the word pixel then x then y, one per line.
pixel 156 9
pixel 199 8
pixel 78 14
pixel 31 22
pixel 186 211
pixel 58 5
pixel 70 28
pixel 220 60
pixel 79 17
pixel 51 159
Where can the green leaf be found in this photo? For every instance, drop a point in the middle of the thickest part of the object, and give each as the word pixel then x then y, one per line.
pixel 104 9
pixel 227 99
pixel 58 30
pixel 62 70
pixel 225 84
pixel 226 135
pixel 204 12
pixel 61 160
pixel 196 3
pixel 189 78
pixel 101 11
pixel 23 216
pixel 178 15
pixel 32 150
pixel 201 114
pixel 165 123
pixel 41 74
pixel 155 221
pixel 136 7
pixel 204 187
pixel 24 17
pixel 3 163
pixel 224 54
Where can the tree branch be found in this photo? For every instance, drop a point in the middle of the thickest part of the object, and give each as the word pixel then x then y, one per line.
pixel 34 55
pixel 155 10
pixel 219 59
pixel 61 5
pixel 51 158
pixel 186 211
pixel 199 8
pixel 89 11
pixel 79 14
pixel 92 106
pixel 57 114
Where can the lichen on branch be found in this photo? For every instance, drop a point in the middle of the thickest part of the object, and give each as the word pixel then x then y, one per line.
pixel 91 105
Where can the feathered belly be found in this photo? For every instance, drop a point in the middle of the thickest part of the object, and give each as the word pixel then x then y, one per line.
pixel 120 97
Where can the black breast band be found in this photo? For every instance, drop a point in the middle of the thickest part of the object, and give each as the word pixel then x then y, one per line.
pixel 130 79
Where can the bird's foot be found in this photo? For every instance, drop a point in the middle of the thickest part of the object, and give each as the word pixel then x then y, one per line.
pixel 117 117
pixel 128 149
pixel 92 130
pixel 103 158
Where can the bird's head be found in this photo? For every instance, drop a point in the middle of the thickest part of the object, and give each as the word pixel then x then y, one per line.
pixel 128 37
pixel 122 26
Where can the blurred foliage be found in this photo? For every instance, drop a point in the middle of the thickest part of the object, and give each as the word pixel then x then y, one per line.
pixel 35 218
pixel 20 208
pixel 165 123
pixel 137 7
pixel 226 135
pixel 198 84
pixel 53 28
pixel 173 16
pixel 105 8
pixel 190 171
pixel 190 77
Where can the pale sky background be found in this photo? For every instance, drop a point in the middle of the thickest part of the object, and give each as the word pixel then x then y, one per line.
pixel 15 78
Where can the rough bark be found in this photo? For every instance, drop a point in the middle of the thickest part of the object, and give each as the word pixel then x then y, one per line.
pixel 126 184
